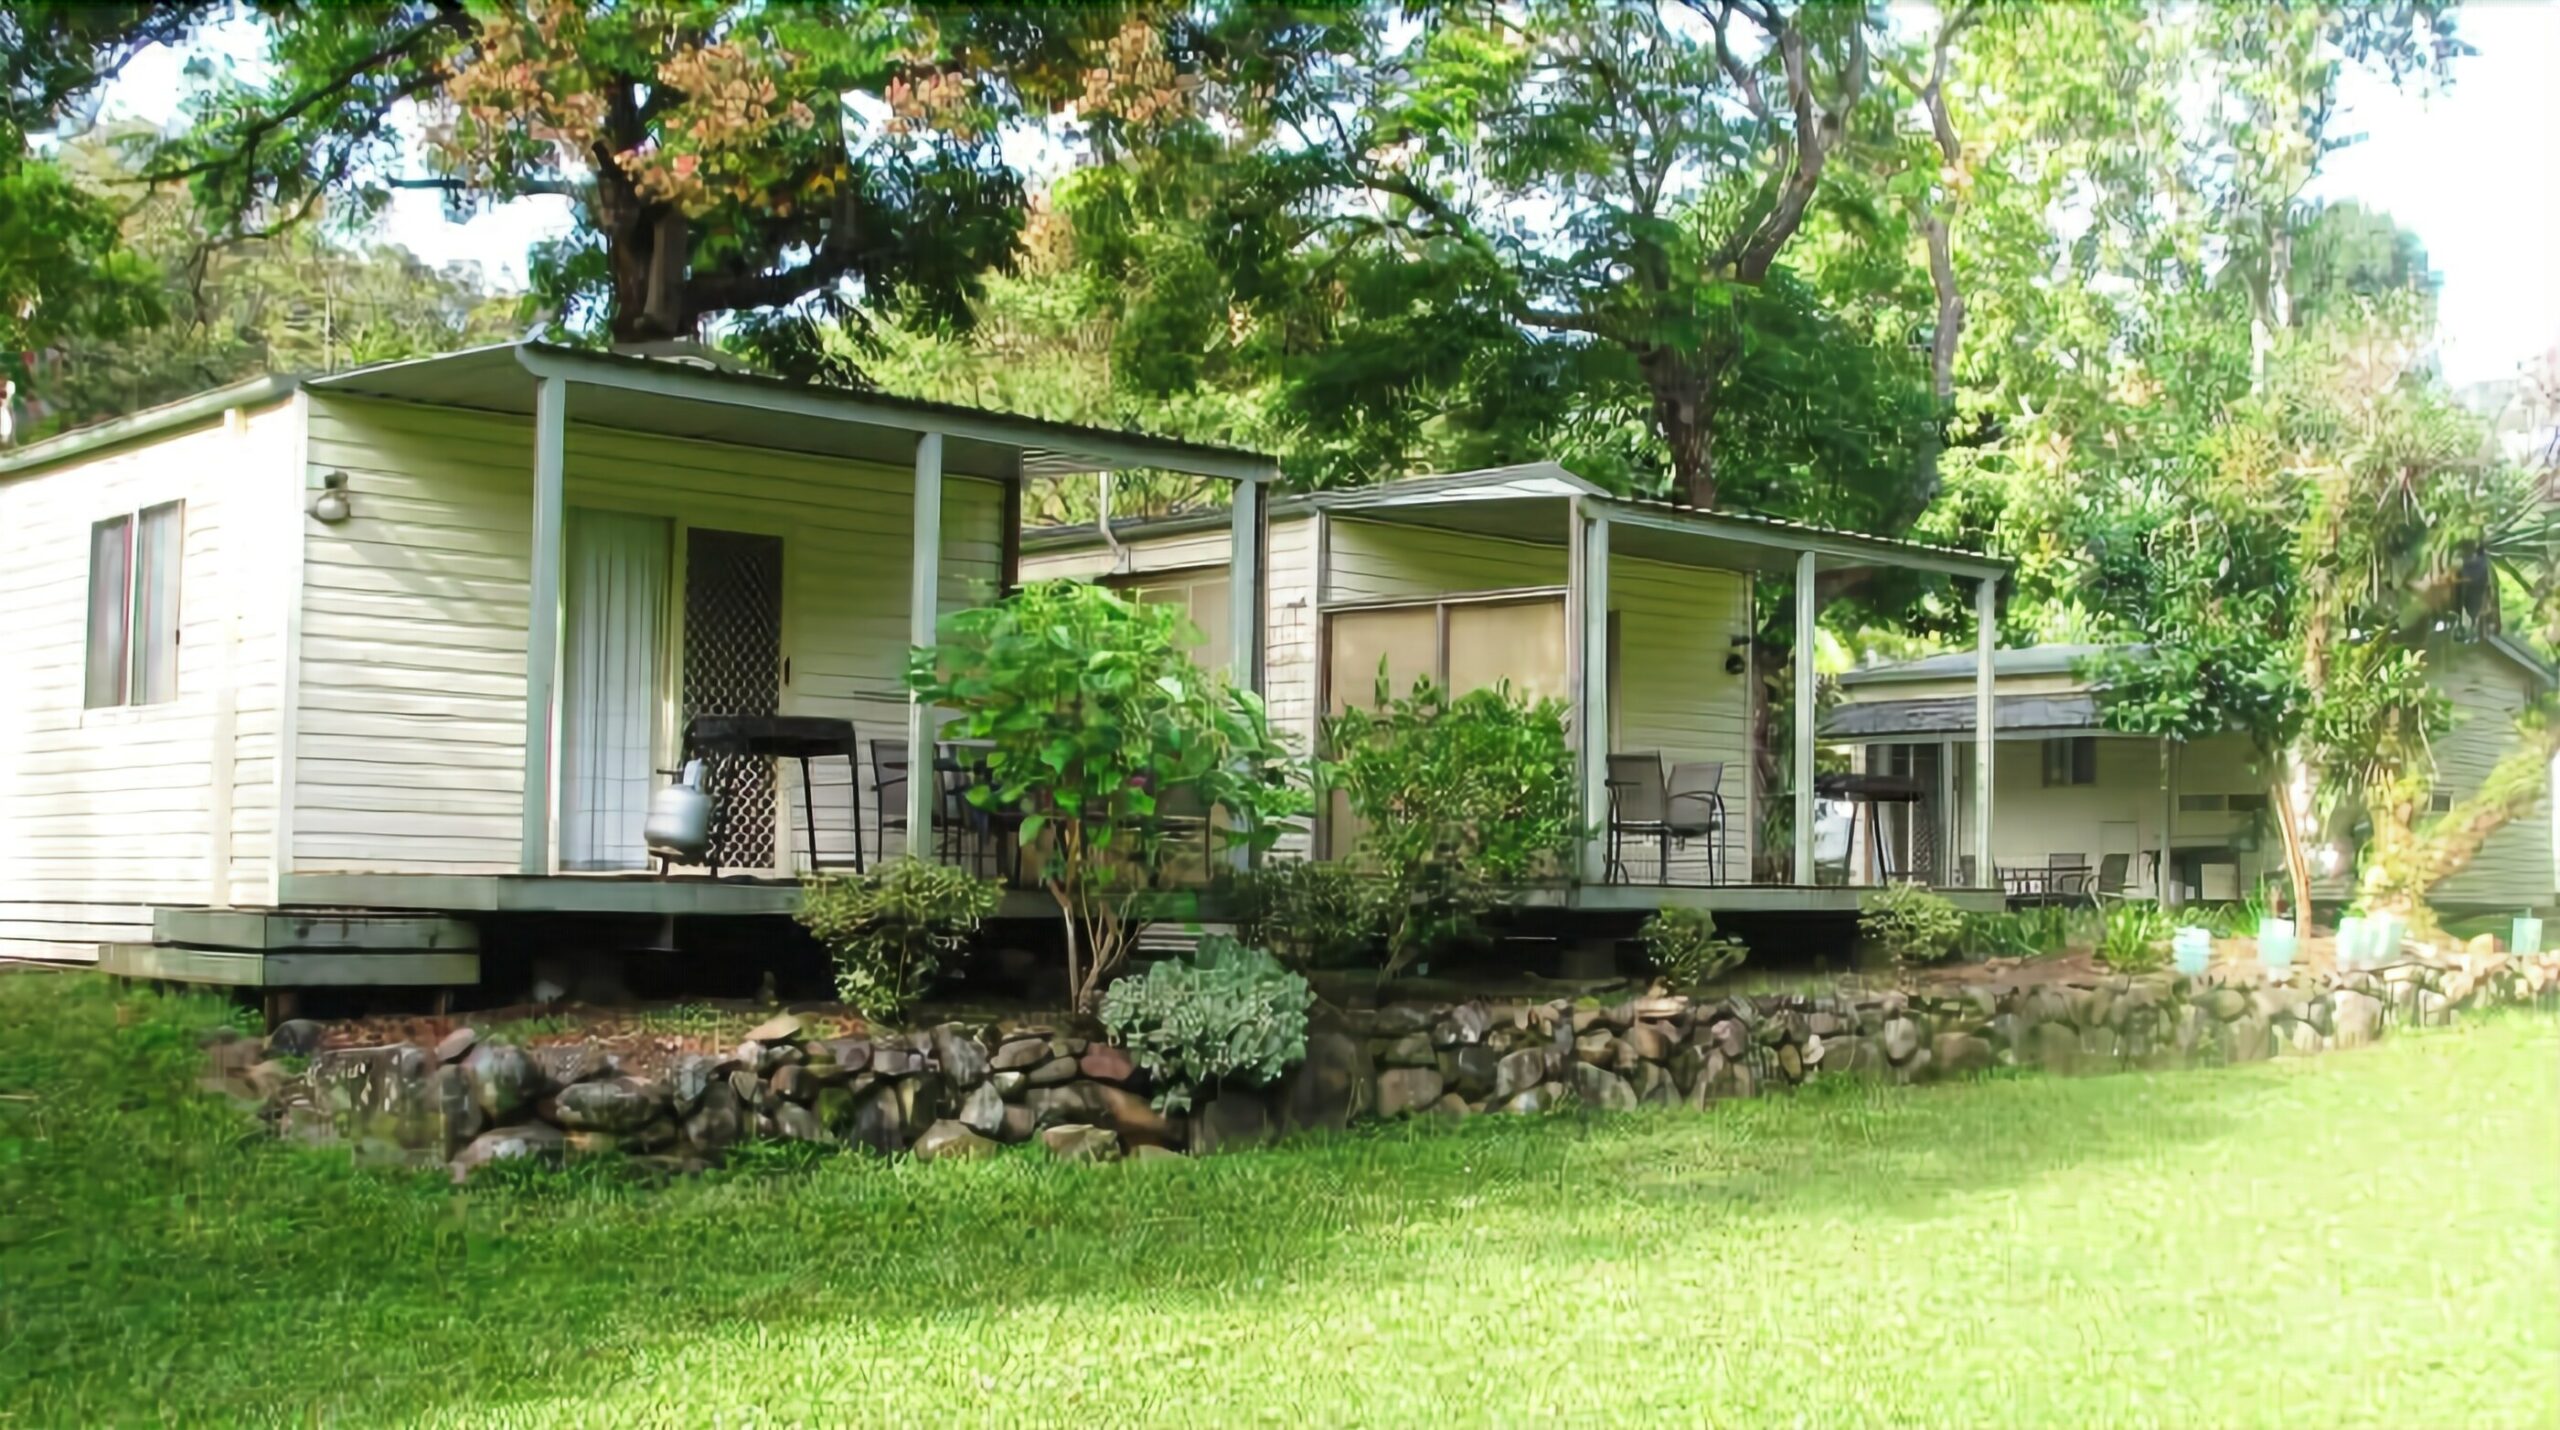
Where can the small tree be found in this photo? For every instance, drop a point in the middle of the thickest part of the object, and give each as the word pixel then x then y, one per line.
pixel 1459 797
pixel 1093 716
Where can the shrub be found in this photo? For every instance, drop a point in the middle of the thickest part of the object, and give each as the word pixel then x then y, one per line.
pixel 1685 949
pixel 2043 932
pixel 1226 1011
pixel 1911 924
pixel 889 928
pixel 1459 797
pixel 1309 913
pixel 1091 711
pixel 2136 938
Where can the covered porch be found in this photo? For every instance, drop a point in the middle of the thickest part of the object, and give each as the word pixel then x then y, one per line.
pixel 1639 615
pixel 714 565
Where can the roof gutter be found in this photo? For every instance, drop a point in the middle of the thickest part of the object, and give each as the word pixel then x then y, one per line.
pixel 187 412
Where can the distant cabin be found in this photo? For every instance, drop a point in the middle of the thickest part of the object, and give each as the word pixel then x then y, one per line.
pixel 2070 788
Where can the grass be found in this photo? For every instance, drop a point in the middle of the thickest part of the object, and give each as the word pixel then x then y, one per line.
pixel 2367 1238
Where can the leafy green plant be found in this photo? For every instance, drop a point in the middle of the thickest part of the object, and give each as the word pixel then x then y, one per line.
pixel 1227 1011
pixel 2136 938
pixel 1686 950
pixel 1091 713
pixel 1459 798
pixel 1309 913
pixel 890 928
pixel 2045 931
pixel 1910 924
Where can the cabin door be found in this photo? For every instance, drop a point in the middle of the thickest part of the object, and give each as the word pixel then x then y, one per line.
pixel 733 666
pixel 615 645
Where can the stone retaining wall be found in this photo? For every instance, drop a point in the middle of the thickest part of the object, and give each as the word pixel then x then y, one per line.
pixel 962 1090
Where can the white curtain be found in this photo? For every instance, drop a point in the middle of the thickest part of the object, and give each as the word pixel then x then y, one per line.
pixel 617 599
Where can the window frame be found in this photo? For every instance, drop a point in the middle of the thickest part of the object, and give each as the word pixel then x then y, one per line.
pixel 2069 761
pixel 132 660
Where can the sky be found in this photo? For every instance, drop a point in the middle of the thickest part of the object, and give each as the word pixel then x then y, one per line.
pixel 2474 172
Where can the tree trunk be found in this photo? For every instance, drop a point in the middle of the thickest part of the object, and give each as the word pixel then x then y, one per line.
pixel 1684 409
pixel 2297 859
pixel 2405 863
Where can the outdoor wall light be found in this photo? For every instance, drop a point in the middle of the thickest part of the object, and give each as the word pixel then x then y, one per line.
pixel 330 507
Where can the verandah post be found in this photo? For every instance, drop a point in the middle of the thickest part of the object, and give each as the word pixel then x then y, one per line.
pixel 1805 873
pixel 923 601
pixel 543 619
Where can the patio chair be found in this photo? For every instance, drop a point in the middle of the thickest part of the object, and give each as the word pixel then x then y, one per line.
pixel 889 790
pixel 1639 805
pixel 1695 810
pixel 2113 871
pixel 1833 830
pixel 2067 876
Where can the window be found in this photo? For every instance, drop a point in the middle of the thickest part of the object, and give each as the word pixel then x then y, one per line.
pixel 2203 803
pixel 133 607
pixel 2072 761
pixel 2440 802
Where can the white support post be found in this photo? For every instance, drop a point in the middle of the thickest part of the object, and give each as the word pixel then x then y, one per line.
pixel 1805 873
pixel 542 621
pixel 1986 632
pixel 924 596
pixel 1245 586
pixel 2169 773
pixel 1946 870
pixel 1593 734
pixel 1245 606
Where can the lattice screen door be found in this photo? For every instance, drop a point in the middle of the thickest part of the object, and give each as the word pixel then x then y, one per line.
pixel 733 666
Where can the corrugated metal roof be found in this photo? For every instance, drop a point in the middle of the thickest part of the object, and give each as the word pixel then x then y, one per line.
pixel 1953 715
pixel 1959 665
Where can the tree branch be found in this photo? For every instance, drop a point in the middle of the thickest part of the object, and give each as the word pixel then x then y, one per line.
pixel 257 132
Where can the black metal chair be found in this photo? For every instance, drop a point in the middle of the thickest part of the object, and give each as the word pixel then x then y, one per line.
pixel 1694 809
pixel 888 773
pixel 2067 876
pixel 1639 805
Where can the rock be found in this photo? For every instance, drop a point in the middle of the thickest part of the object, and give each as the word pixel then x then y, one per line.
pixel 1901 1040
pixel 1008 1085
pixel 1470 1022
pixel 1730 1037
pixel 922 1101
pixel 620 1104
pixel 1598 1087
pixel 501 1078
pixel 798 1123
pixel 1405 1090
pixel 1413 1050
pixel 879 1120
pixel 780 1028
pixel 2434 1009
pixel 689 1079
pixel 2054 1047
pixel 1232 1119
pixel 1019 1123
pixel 1103 1062
pixel 1021 1054
pixel 850 1054
pixel 1136 1119
pixel 1335 1083
pixel 295 1038
pixel 1397 1019
pixel 568 1064
pixel 266 1079
pixel 792 1083
pixel 2224 1004
pixel 1541 1098
pixel 1450 1108
pixel 954 1141
pixel 1072 1103
pixel 451 1047
pixel 1054 1072
pixel 1921 1067
pixel 536 1141
pixel 1598 1047
pixel 890 1061
pixel 1959 1053
pixel 1470 1069
pixel 2248 1039
pixel 1652 1042
pixel 1077 1142
pixel 716 1120
pixel 1150 1152
pixel 748 1087
pixel 964 1063
pixel 460 1115
pixel 1518 1072
pixel 1823 1023
pixel 1653 1086
pixel 2357 1017
pixel 1791 1062
pixel 982 1111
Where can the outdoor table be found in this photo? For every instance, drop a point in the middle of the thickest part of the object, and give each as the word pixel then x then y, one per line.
pixel 1867 791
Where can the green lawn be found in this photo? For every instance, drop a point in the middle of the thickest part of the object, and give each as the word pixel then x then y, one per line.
pixel 2369 1238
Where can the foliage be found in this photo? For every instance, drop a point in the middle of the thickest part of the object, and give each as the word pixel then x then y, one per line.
pixel 111 1157
pixel 890 928
pixel 1310 913
pixel 2135 938
pixel 792 162
pixel 1911 924
pixel 2038 931
pixel 1685 950
pixel 1226 1011
pixel 65 272
pixel 1094 721
pixel 1458 799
